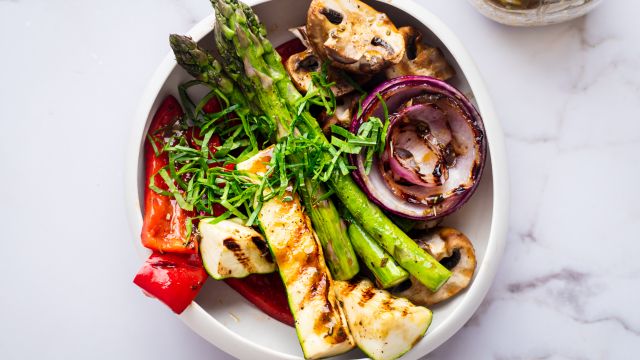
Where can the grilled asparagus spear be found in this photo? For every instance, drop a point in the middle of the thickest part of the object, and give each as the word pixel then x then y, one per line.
pixel 204 67
pixel 386 270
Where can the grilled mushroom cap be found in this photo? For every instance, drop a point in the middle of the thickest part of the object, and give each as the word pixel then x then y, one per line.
pixel 453 250
pixel 353 36
pixel 420 59
pixel 300 66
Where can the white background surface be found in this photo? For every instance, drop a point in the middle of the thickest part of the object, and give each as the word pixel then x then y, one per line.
pixel 568 97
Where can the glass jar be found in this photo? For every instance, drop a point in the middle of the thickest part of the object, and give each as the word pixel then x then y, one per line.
pixel 533 12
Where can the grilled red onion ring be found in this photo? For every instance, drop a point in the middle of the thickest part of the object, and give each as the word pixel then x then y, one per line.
pixel 435 148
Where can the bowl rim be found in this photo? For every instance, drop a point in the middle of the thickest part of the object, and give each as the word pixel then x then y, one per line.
pixel 228 341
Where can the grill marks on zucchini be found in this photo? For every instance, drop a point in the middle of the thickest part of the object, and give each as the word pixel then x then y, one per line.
pixel 237 251
pixel 326 321
pixel 367 294
pixel 230 249
pixel 320 285
pixel 259 242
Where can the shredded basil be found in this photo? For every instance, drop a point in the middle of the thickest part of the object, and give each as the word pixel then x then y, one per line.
pixel 195 173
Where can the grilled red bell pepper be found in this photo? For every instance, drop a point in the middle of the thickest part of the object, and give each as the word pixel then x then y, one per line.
pixel 173 273
pixel 164 226
pixel 267 293
pixel 174 279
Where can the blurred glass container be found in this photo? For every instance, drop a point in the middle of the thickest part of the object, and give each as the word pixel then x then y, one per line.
pixel 533 12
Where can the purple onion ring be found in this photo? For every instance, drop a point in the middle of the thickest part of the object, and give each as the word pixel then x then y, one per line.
pixel 411 199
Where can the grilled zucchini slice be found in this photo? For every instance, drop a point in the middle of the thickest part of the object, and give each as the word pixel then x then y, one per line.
pixel 232 250
pixel 384 326
pixel 320 323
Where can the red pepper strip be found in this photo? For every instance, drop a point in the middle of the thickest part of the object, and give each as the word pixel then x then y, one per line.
pixel 267 293
pixel 174 279
pixel 164 226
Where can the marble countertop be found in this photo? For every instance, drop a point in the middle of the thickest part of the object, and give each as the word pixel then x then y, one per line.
pixel 568 97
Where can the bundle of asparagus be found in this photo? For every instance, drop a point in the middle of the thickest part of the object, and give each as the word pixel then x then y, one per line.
pixel 252 74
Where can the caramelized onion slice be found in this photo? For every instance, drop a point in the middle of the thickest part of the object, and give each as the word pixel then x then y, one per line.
pixel 435 152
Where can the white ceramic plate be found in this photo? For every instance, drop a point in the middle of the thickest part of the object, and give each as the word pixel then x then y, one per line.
pixel 230 322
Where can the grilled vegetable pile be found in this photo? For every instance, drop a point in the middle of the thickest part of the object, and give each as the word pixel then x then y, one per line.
pixel 314 166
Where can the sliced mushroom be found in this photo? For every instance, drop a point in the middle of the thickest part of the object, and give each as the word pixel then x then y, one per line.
pixel 300 66
pixel 353 36
pixel 343 114
pixel 419 58
pixel 453 250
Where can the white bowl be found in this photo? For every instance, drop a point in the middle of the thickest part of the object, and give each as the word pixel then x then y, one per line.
pixel 230 322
